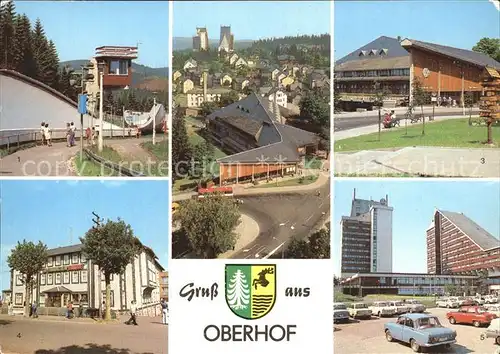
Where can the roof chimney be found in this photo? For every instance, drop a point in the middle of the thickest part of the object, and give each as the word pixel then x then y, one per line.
pixel 387 199
pixel 354 194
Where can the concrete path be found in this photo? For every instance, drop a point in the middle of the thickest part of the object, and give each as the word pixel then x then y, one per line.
pixel 427 161
pixel 247 232
pixel 40 161
pixel 457 111
pixel 131 149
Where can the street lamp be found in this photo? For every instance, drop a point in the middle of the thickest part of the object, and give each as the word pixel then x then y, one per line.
pixel 155 112
pixel 101 101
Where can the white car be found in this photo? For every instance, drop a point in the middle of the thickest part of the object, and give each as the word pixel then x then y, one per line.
pixel 415 306
pixel 494 309
pixel 447 302
pixel 399 306
pixel 491 299
pixel 340 313
pixel 359 310
pixel 382 308
pixel 479 300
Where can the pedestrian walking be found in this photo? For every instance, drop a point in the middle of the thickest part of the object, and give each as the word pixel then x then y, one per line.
pixel 164 310
pixel 133 314
pixel 11 308
pixel 68 135
pixel 69 310
pixel 31 310
pixel 34 310
pixel 42 133
pixel 88 135
pixel 73 134
pixel 47 134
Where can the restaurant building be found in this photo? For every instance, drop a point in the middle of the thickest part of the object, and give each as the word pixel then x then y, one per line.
pixel 69 276
pixel 258 140
pixel 458 245
pixel 413 284
pixel 395 63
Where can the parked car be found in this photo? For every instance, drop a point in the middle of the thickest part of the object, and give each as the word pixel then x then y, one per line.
pixel 415 306
pixel 475 315
pixel 420 331
pixel 459 299
pixel 479 300
pixel 494 309
pixel 359 310
pixel 382 308
pixel 447 302
pixel 340 312
pixel 491 299
pixel 399 306
pixel 493 331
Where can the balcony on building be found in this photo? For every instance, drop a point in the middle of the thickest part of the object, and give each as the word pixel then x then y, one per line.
pixel 116 62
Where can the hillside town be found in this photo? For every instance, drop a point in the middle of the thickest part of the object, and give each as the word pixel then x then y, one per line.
pixel 210 74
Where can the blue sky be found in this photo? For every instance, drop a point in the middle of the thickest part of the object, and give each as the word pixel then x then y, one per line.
pixel 251 19
pixel 57 211
pixel 414 203
pixel 458 24
pixel 78 27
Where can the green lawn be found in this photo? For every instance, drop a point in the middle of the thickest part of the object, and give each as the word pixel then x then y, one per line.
pixel 448 133
pixel 302 181
pixel 89 168
pixel 159 150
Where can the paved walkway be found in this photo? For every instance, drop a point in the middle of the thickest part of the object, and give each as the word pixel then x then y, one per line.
pixel 427 161
pixel 131 149
pixel 247 231
pixel 457 111
pixel 40 161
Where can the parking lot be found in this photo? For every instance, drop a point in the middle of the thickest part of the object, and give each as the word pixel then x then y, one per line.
pixel 367 336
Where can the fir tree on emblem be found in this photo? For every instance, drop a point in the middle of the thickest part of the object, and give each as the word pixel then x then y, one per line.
pixel 238 292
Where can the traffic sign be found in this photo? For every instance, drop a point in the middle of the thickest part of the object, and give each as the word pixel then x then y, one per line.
pixel 82 103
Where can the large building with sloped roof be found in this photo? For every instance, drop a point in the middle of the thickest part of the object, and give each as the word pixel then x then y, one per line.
pixel 260 143
pixel 457 245
pixel 395 64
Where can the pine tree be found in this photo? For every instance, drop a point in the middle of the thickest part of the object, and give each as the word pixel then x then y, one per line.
pixel 181 148
pixel 7 30
pixel 238 293
pixel 23 51
pixel 51 75
pixel 40 52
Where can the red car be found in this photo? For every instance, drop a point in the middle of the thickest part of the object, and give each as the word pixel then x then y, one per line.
pixel 475 315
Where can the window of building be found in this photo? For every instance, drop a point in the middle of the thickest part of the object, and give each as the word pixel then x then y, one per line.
pixel 58 261
pixel 19 280
pixel 50 262
pixel 50 279
pixel 74 258
pixel 66 278
pixel 83 258
pixel 111 297
pixel 18 299
pixel 58 279
pixel 83 276
pixel 43 279
pixel 66 259
pixel 74 277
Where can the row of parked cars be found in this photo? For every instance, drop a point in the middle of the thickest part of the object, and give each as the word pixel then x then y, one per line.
pixel 426 331
pixel 457 301
pixel 342 312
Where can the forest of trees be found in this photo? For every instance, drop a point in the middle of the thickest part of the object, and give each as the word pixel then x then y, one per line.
pixel 25 48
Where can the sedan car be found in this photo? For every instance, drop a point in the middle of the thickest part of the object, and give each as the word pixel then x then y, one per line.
pixel 475 315
pixel 340 312
pixel 415 306
pixel 359 310
pixel 420 331
pixel 494 309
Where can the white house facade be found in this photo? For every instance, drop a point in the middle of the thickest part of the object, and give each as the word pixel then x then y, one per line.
pixel 69 276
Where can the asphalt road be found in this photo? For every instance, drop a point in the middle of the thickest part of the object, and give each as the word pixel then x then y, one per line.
pixel 371 118
pixel 19 335
pixel 282 217
pixel 367 336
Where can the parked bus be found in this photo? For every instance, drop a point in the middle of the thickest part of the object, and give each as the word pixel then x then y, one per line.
pixel 226 191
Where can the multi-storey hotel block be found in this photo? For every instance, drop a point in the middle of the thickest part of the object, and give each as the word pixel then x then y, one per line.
pixel 69 276
pixel 457 245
